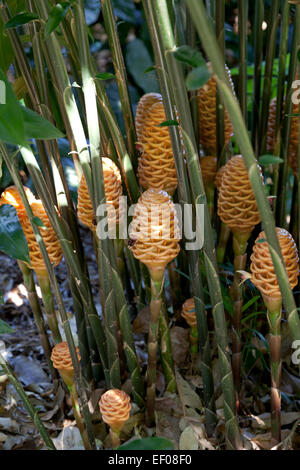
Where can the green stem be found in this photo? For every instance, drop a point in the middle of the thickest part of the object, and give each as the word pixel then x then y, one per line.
pixel 220 111
pixel 258 54
pixel 274 319
pixel 240 260
pixel 243 35
pixel 166 351
pixel 38 315
pixel 155 308
pixel 222 244
pixel 44 283
pixel 31 410
pixel 121 76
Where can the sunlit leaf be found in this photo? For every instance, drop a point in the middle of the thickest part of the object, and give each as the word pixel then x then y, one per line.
pixel 55 16
pixel 21 19
pixel 5 329
pixel 198 77
pixel 266 160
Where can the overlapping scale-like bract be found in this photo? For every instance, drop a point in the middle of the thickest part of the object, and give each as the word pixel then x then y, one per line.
pixel 12 197
pixel 156 166
pixel 115 408
pixel 154 231
pixel 61 359
pixel 237 207
pixel 207 115
pixel 189 312
pixel 262 270
pixel 142 110
pixel 113 190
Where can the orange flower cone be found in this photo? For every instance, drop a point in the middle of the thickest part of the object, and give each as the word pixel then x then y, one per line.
pixel 156 166
pixel 115 409
pixel 113 190
pixel 264 278
pixel 12 197
pixel 142 111
pixel 62 361
pixel 219 176
pixel 207 115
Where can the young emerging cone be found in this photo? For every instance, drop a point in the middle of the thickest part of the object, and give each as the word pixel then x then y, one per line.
pixel 113 190
pixel 207 115
pixel 115 408
pixel 12 197
pixel 62 361
pixel 237 207
pixel 189 312
pixel 154 231
pixel 156 166
pixel 262 270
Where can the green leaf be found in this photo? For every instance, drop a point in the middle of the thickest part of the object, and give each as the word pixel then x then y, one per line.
pixel 197 77
pixel 149 443
pixel 266 160
pixel 1 298
pixel 36 127
pixel 11 117
pixel 190 56
pixel 125 10
pixel 20 19
pixel 138 60
pixel 12 240
pixel 55 16
pixel 171 122
pixel 250 302
pixel 5 328
pixel 105 76
pixel 37 221
pixel 150 69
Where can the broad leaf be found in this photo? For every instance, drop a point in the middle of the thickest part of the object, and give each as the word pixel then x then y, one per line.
pixel 12 240
pixel 36 127
pixel 6 52
pixel 5 329
pixel 198 77
pixel 11 116
pixel 92 11
pixel 266 160
pixel 125 10
pixel 20 19
pixel 55 16
pixel 149 443
pixel 138 60
pixel 189 56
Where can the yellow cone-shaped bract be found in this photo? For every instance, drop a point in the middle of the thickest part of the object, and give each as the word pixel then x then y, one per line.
pixel 154 231
pixel 115 408
pixel 262 270
pixel 12 197
pixel 113 190
pixel 237 207
pixel 142 110
pixel 62 361
pixel 156 166
pixel 207 115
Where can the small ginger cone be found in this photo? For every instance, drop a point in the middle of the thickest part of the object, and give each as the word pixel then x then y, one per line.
pixel 62 361
pixel 113 191
pixel 264 278
pixel 12 197
pixel 115 409
pixel 294 133
pixel 142 110
pixel 154 234
pixel 207 96
pixel 189 314
pixel 156 166
pixel 237 208
pixel 209 171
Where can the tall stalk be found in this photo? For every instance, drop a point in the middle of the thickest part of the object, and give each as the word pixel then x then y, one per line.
pixel 121 76
pixel 220 111
pixel 258 54
pixel 243 35
pixel 211 47
pixel 163 41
